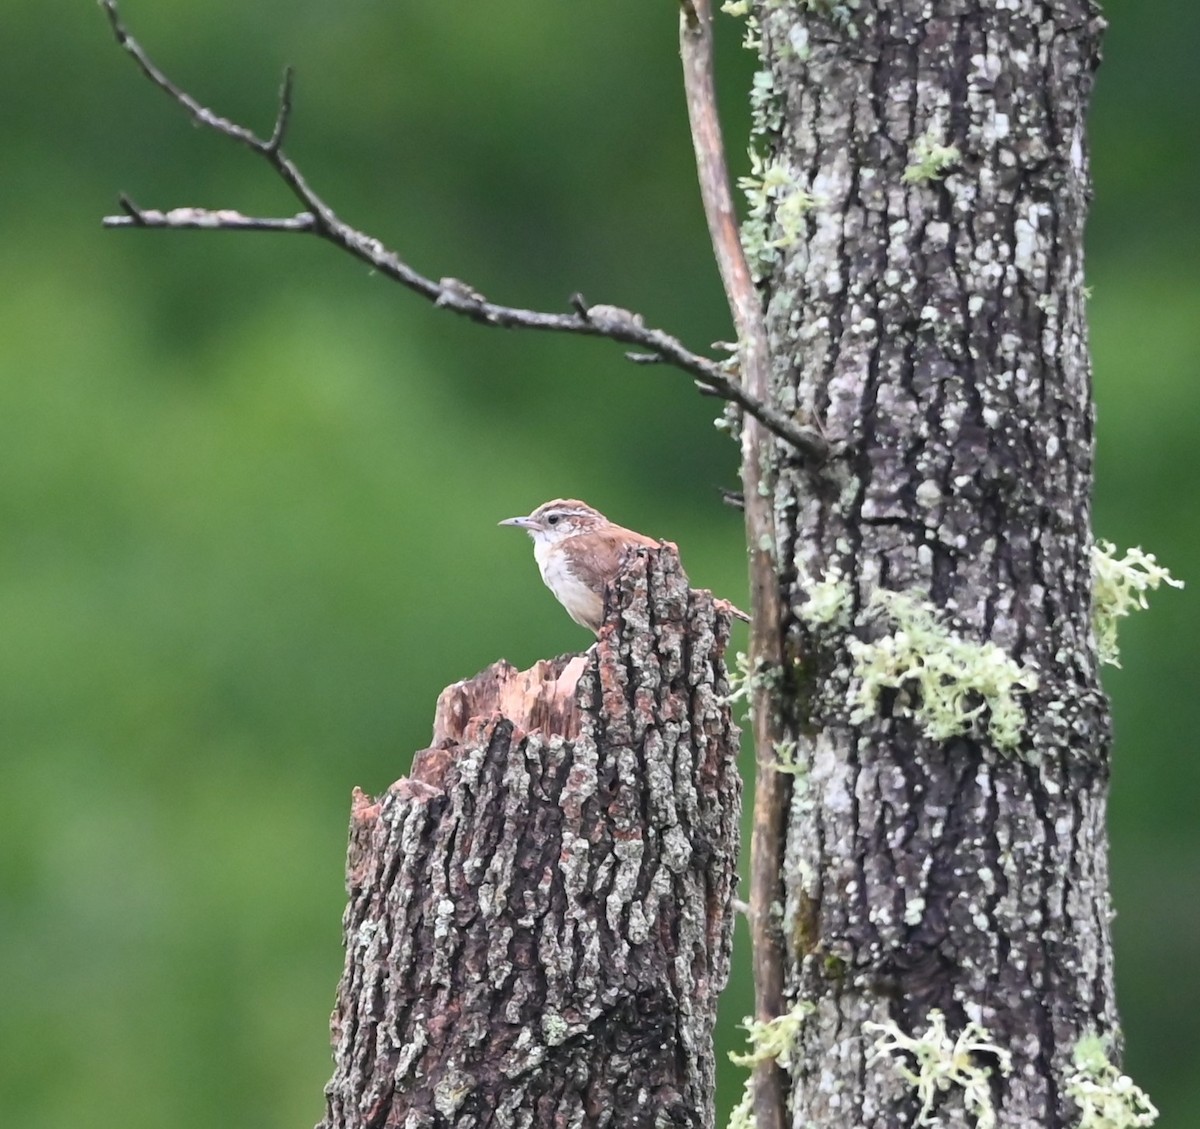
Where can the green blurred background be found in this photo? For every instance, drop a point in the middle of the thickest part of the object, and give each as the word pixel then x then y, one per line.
pixel 248 493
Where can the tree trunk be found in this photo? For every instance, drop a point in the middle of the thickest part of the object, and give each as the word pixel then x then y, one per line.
pixel 926 307
pixel 539 918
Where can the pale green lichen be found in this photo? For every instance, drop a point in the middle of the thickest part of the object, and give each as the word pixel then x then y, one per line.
pixel 451 1091
pixel 555 1029
pixel 766 109
pixel 785 759
pixel 739 680
pixel 730 420
pixel 744 681
pixel 776 207
pixel 942 1063
pixel 945 682
pixel 1107 1099
pixel 770 1040
pixel 776 204
pixel 929 159
pixel 742 1114
pixel 1119 585
pixel 742 9
pixel 827 603
pixel 789 216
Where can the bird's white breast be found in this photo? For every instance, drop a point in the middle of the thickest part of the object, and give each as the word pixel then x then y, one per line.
pixel 583 605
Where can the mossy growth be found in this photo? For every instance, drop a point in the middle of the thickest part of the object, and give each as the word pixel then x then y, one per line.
pixel 1119 586
pixel 1107 1099
pixel 834 967
pixel 945 682
pixel 941 1064
pixel 805 923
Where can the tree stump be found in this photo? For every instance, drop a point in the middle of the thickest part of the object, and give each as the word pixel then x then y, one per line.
pixel 539 916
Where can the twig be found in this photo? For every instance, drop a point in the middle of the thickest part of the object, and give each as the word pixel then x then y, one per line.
pixel 772 790
pixel 195 219
pixel 319 219
pixel 285 111
pixel 200 114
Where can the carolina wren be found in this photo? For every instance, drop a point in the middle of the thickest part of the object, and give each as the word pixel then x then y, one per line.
pixel 578 551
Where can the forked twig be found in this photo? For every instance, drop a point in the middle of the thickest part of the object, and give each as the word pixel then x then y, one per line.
pixel 318 218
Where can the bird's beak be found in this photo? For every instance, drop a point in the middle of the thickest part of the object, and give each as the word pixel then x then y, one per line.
pixel 519 522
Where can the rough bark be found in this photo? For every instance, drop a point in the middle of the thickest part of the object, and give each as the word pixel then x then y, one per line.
pixel 935 327
pixel 539 916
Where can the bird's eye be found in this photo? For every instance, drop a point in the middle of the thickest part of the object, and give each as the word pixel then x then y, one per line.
pixel 553 519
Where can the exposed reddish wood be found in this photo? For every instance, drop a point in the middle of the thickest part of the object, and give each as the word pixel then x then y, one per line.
pixel 542 697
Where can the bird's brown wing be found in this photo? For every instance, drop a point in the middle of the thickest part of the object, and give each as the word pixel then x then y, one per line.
pixel 600 555
pixel 621 537
pixel 596 557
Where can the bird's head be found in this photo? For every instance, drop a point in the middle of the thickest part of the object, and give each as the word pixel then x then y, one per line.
pixel 559 519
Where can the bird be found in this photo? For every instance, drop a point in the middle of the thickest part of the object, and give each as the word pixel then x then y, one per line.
pixel 578 551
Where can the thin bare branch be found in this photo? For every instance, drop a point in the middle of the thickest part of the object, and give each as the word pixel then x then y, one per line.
pixel 318 218
pixel 284 114
pixel 695 32
pixel 772 790
pixel 196 219
pixel 200 114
